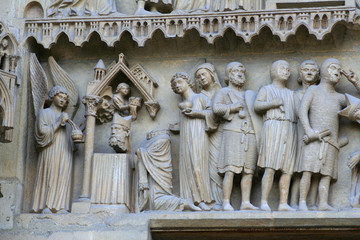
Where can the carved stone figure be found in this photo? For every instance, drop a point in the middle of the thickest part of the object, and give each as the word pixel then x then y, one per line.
pixel 155 175
pixel 226 5
pixel 352 112
pixel 53 136
pixel 120 127
pixel 81 8
pixel 238 152
pixel 278 137
pixel 318 115
pixel 308 75
pixel 194 151
pixel 4 55
pixel 154 7
pixel 120 134
pixel 208 81
pixel 192 5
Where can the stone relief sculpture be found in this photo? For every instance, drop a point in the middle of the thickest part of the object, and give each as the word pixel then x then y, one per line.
pixel 125 111
pixel 319 116
pixel 63 8
pixel 9 82
pixel 238 152
pixel 308 75
pixel 155 175
pixel 54 133
pixel 194 142
pixel 208 81
pixel 279 136
pixel 352 112
pixel 153 6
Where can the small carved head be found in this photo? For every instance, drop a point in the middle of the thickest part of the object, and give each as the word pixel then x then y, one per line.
pixel 123 88
pixel 205 75
pixel 280 71
pixel 331 70
pixel 235 73
pixel 180 82
pixel 4 43
pixel 62 93
pixel 309 72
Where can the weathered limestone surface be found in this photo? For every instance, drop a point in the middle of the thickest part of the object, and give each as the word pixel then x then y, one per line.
pixel 157 46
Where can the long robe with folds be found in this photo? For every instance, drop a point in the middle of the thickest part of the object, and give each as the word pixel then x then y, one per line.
pixel 155 168
pixel 191 4
pixel 53 180
pixel 221 5
pixel 194 154
pixel 279 133
pixel 214 150
pixel 83 7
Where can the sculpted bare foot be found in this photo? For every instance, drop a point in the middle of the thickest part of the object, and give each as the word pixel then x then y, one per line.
pixel 46 211
pixel 227 207
pixel 313 208
pixel 204 207
pixel 326 207
pixel 248 206
pixel 217 207
pixel 265 206
pixel 285 207
pixel 302 206
pixel 190 205
pixel 62 211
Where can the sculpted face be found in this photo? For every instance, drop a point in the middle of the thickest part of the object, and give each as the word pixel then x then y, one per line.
pixel 283 71
pixel 309 73
pixel 180 85
pixel 334 72
pixel 125 90
pixel 5 43
pixel 237 75
pixel 60 100
pixel 204 77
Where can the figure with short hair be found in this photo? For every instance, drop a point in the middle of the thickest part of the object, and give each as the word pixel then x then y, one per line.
pixel 279 134
pixel 308 75
pixel 318 113
pixel 194 143
pixel 238 152
pixel 53 137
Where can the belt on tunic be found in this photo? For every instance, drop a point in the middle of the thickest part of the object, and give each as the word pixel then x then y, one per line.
pixel 281 119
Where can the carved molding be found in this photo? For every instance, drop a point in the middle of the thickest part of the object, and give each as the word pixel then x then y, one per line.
pixel 247 24
pixel 8 83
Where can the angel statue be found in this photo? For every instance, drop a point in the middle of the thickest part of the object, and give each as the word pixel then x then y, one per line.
pixel 54 134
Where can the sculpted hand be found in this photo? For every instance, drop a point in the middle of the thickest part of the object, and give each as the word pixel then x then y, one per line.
pixel 193 113
pixel 277 102
pixel 64 117
pixel 236 107
pixel 310 136
pixel 351 76
pixel 353 160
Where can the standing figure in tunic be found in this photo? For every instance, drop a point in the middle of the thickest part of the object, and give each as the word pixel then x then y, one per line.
pixel 279 134
pixel 308 75
pixel 208 82
pixel 53 136
pixel 238 152
pixel 194 143
pixel 319 116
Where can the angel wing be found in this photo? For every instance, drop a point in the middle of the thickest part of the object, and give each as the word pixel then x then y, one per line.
pixel 39 83
pixel 60 77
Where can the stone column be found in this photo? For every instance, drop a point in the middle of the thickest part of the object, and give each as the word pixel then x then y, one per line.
pixel 91 103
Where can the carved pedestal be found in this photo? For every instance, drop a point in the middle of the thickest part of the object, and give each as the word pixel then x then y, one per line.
pixel 111 183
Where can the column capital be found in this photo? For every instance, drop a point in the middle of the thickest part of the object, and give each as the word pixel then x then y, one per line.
pixel 92 104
